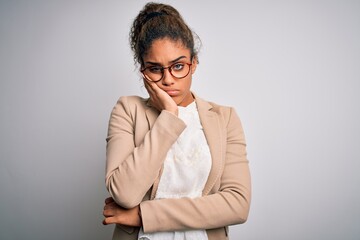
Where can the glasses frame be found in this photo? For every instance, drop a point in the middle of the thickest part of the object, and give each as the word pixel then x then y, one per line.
pixel 163 70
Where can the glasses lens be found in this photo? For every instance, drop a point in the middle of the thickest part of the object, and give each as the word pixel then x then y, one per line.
pixel 153 73
pixel 156 73
pixel 180 70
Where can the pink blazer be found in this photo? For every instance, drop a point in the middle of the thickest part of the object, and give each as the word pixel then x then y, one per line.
pixel 138 140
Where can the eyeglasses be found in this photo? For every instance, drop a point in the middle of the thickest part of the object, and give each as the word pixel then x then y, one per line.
pixel 156 73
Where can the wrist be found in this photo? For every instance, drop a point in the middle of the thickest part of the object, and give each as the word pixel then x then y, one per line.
pixel 174 110
pixel 140 217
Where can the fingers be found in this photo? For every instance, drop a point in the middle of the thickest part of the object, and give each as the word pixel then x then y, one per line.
pixel 154 92
pixel 111 205
pixel 109 220
pixel 109 200
pixel 112 209
pixel 152 88
pixel 109 212
pixel 159 98
pixel 112 212
pixel 129 217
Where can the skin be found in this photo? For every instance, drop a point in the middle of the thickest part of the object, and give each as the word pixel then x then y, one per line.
pixel 113 213
pixel 170 92
pixel 167 94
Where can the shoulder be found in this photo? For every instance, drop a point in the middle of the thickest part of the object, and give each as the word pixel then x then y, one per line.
pixel 229 119
pixel 227 116
pixel 131 102
pixel 129 105
pixel 226 113
pixel 222 111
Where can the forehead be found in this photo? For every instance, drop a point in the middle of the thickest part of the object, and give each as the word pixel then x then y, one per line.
pixel 165 50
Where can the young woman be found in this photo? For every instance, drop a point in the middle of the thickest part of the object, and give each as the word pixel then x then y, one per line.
pixel 176 164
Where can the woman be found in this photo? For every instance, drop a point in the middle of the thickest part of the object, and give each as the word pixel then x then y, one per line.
pixel 176 164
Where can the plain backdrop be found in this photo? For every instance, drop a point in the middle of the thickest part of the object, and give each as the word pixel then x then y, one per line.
pixel 291 68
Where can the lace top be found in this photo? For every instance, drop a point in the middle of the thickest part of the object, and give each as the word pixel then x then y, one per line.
pixel 186 169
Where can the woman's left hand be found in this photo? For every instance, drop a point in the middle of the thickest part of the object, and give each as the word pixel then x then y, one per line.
pixel 114 213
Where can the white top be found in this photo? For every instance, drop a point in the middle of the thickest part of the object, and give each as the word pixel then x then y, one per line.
pixel 186 169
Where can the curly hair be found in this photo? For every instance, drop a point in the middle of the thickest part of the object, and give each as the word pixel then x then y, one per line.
pixel 158 21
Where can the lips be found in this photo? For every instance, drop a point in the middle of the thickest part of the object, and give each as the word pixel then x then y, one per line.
pixel 172 93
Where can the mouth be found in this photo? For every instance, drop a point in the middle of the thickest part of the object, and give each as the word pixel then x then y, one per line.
pixel 172 93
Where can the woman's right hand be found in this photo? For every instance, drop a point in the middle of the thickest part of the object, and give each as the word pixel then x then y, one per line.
pixel 113 213
pixel 160 99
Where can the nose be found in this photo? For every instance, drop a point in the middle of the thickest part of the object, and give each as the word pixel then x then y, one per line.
pixel 167 79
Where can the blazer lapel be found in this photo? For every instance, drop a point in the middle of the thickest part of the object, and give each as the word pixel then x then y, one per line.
pixel 213 133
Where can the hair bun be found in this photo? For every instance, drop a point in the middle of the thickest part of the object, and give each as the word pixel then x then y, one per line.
pixel 153 15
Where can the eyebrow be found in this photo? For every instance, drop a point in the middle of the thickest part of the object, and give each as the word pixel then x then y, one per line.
pixel 172 61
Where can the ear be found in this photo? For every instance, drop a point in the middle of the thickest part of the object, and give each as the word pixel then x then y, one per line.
pixel 194 64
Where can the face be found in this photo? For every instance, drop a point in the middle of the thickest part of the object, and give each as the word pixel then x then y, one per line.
pixel 166 52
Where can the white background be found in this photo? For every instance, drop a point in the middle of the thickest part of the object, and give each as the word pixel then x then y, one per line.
pixel 290 68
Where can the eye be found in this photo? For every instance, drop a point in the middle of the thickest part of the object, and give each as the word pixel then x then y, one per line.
pixel 177 66
pixel 155 69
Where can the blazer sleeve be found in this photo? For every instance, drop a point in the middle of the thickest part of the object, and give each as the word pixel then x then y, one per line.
pixel 131 170
pixel 229 205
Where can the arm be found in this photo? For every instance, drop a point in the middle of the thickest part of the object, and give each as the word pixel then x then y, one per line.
pixel 131 170
pixel 228 205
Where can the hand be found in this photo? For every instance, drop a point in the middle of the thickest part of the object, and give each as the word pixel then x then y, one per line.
pixel 159 98
pixel 115 214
